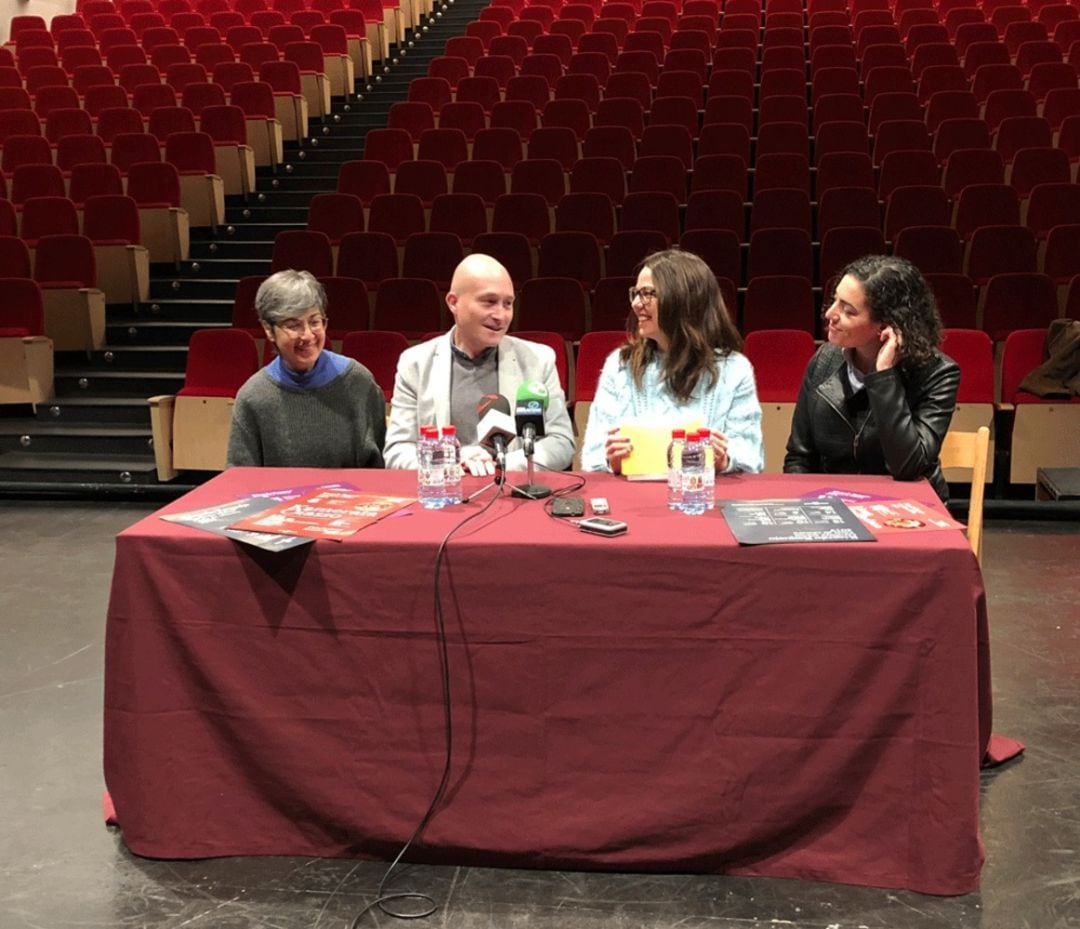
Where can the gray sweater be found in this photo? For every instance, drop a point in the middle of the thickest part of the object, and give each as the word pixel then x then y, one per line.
pixel 340 425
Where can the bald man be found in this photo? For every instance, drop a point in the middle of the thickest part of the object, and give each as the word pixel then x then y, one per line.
pixel 441 381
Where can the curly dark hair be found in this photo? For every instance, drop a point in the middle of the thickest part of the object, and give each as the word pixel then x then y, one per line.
pixel 898 296
pixel 692 314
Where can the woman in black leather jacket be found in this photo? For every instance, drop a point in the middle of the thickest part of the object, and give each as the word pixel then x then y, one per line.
pixel 878 396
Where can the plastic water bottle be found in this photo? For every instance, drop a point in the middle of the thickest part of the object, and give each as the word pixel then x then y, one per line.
pixel 693 476
pixel 710 468
pixel 430 476
pixel 674 469
pixel 451 462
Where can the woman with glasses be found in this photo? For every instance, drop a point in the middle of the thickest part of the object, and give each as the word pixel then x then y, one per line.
pixel 878 396
pixel 681 366
pixel 309 407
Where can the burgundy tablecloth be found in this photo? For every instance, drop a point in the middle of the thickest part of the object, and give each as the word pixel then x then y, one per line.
pixel 662 700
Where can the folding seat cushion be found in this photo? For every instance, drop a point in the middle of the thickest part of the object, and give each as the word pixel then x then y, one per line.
pixel 336 215
pixel 916 205
pixel 201 189
pixel 111 222
pixel 461 213
pixel 378 351
pixel 303 250
pixel 191 429
pixel 411 306
pixel 197 97
pixel 1051 205
pixel 73 150
pixel 998 250
pixel 74 307
pixel 398 215
pixel 422 178
pixel 290 104
pixel 35 181
pixel 370 257
pixel 586 211
pixel 486 179
pixel 115 120
pixel 234 159
pixel 955 295
pixel 315 83
pixel 779 356
pixel 932 249
pixel 650 210
pixel 524 213
pixel 543 176
pixel 553 304
pixel 92 179
pixel 1017 300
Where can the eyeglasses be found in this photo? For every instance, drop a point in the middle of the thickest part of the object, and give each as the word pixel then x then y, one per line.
pixel 296 327
pixel 644 294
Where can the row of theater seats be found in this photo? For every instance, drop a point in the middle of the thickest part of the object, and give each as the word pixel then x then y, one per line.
pixel 305 69
pixel 1012 22
pixel 359 32
pixel 45 202
pixel 568 284
pixel 191 428
pixel 98 247
pixel 273 107
pixel 223 154
pixel 598 204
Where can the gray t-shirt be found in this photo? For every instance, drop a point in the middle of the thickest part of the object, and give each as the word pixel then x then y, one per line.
pixel 471 379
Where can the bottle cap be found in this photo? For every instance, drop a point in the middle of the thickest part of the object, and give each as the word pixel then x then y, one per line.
pixel 429 432
pixel 449 430
pixel 678 433
pixel 704 433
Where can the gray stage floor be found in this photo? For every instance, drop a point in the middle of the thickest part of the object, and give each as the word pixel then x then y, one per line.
pixel 61 867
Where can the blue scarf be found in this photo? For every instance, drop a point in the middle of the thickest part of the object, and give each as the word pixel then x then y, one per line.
pixel 328 367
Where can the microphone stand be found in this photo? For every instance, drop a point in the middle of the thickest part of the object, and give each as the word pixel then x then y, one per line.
pixel 530 490
pixel 476 493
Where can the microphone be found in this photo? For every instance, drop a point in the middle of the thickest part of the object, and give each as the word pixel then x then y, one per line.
pixel 495 426
pixel 530 403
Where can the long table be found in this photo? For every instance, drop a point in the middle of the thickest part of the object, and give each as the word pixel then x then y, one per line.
pixel 663 700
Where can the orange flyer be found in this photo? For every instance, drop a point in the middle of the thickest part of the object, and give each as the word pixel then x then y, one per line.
pixel 327 513
pixel 884 516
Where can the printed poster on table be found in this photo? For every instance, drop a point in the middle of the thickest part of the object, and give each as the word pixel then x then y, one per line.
pixel 326 513
pixel 218 520
pixel 886 516
pixel 768 522
pixel 283 494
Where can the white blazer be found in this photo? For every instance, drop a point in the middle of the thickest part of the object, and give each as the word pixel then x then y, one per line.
pixel 422 396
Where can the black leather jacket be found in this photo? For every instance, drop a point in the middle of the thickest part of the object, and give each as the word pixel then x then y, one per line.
pixel 895 426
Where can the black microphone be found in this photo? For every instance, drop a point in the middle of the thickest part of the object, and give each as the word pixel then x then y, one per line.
pixel 495 426
pixel 530 403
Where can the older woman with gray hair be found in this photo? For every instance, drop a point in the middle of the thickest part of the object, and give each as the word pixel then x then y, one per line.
pixel 309 407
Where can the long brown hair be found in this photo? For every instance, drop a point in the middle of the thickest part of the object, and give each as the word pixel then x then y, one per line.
pixel 691 313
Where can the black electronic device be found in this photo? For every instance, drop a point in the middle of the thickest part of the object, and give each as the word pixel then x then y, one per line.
pixel 568 506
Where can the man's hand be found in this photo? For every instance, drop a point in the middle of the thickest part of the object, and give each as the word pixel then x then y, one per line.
pixel 477 461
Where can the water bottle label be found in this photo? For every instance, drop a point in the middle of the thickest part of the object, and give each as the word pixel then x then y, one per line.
pixel 693 481
pixel 431 477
